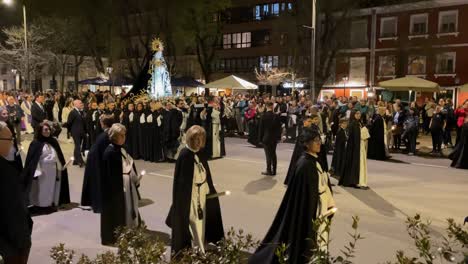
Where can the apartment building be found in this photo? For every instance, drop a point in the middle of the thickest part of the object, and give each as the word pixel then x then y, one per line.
pixel 426 39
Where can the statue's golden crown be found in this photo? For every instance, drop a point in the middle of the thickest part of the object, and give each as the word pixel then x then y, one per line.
pixel 157 45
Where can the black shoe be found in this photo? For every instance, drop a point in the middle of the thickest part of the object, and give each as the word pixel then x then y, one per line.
pixel 267 173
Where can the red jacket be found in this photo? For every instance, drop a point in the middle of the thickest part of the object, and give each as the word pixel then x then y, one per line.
pixel 460 114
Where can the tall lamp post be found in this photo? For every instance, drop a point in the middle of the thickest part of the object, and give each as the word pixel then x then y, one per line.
pixel 14 71
pixel 109 71
pixel 345 80
pixel 312 47
pixel 26 51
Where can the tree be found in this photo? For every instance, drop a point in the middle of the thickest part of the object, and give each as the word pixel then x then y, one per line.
pixel 203 25
pixel 13 50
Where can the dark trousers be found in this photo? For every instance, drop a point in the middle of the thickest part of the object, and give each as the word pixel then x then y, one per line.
pixel 458 135
pixel 397 141
pixel 20 259
pixel 436 139
pixel 270 153
pixel 410 140
pixel 448 136
pixel 78 141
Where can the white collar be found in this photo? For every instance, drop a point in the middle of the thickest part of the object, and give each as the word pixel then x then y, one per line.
pixel 189 148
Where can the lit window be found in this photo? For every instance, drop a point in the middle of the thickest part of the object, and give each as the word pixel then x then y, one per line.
pixel 290 6
pixel 388 27
pixel 274 61
pixel 257 13
pixel 416 65
pixel 266 10
pixel 246 40
pixel 448 21
pixel 237 40
pixel 387 65
pixel 419 24
pixel 227 41
pixel 275 9
pixel 446 63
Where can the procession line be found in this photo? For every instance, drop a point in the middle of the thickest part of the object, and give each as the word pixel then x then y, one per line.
pixel 161 175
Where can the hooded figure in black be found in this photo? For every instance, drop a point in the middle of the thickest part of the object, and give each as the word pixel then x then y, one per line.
pixel 459 156
pixel 182 217
pixel 310 123
pixel 156 151
pixel 118 187
pixel 91 192
pixel 350 176
pixel 293 224
pixel 377 146
pixel 338 161
pixel 32 161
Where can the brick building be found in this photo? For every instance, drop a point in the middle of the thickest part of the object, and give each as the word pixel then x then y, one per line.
pixel 426 39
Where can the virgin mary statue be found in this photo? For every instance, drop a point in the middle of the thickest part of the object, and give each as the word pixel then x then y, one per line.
pixel 160 81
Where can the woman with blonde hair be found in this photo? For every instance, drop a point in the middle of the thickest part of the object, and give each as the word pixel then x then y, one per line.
pixel 194 218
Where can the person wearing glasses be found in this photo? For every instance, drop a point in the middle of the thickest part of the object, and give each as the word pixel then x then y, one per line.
pixel 45 175
pixel 15 223
pixel 308 197
pixel 194 218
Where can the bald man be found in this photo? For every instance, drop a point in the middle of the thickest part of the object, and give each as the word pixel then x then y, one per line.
pixel 15 223
pixel 76 126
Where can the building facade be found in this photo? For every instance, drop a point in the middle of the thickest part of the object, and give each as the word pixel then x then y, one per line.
pixel 426 39
pixel 252 39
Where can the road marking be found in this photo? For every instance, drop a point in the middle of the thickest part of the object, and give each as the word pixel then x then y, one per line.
pixel 161 175
pixel 428 165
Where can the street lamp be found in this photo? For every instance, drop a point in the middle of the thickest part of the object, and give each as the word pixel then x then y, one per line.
pixel 345 80
pixel 109 71
pixel 10 3
pixel 14 71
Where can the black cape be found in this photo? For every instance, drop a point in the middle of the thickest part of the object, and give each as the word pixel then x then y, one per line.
pixel 91 192
pixel 178 217
pixel 299 150
pixel 208 125
pixel 338 161
pixel 350 176
pixel 293 222
pixel 156 151
pixel 376 150
pixel 113 196
pixel 32 160
pixel 459 156
pixel 132 133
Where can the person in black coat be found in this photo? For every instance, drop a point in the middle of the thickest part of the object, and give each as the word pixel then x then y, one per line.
pixel 350 176
pixel 14 156
pixel 91 191
pixel 310 123
pixel 338 161
pixel 459 156
pixel 119 183
pixel 397 129
pixel 437 126
pixel 38 113
pixel 15 223
pixel 293 223
pixel 129 120
pixel 269 133
pixel 377 133
pixel 192 174
pixel 92 123
pixel 76 125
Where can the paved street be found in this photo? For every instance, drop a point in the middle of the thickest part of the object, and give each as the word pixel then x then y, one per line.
pixel 399 188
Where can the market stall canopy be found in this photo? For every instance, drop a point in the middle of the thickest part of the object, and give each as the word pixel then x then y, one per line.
pixel 410 83
pixel 232 82
pixel 119 81
pixel 464 88
pixel 185 82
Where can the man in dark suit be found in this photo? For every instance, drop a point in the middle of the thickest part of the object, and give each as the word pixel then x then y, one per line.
pixel 15 223
pixel 76 126
pixel 269 134
pixel 38 112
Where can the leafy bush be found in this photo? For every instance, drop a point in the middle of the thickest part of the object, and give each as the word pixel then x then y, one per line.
pixel 138 246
